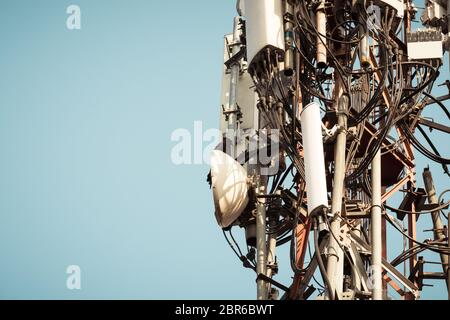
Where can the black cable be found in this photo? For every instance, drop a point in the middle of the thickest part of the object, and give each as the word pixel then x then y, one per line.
pixel 420 147
pixel 235 242
pixel 280 182
pixel 323 271
pixel 430 247
pixel 442 206
pixel 242 258
pixel 430 143
pixel 442 211
pixel 439 103
pixel 292 253
pixel 311 257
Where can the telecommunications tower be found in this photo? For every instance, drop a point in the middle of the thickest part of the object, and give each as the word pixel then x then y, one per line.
pixel 323 115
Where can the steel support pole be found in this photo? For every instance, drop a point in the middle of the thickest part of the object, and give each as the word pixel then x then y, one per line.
pixel 335 254
pixel 271 248
pixel 438 226
pixel 448 34
pixel 234 77
pixel 271 259
pixel 261 247
pixel 289 37
pixel 412 224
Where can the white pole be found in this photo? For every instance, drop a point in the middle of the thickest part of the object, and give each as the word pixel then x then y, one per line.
pixel 377 287
pixel 321 22
pixel 364 43
pixel 335 254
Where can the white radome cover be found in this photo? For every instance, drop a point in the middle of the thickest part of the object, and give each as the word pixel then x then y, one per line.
pixel 229 186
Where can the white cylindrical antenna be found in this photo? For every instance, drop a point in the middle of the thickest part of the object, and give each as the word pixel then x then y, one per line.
pixel 316 184
pixel 264 26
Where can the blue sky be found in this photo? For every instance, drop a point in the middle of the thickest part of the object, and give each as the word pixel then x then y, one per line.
pixel 85 171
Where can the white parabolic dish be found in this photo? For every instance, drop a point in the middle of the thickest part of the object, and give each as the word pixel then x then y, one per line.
pixel 229 186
